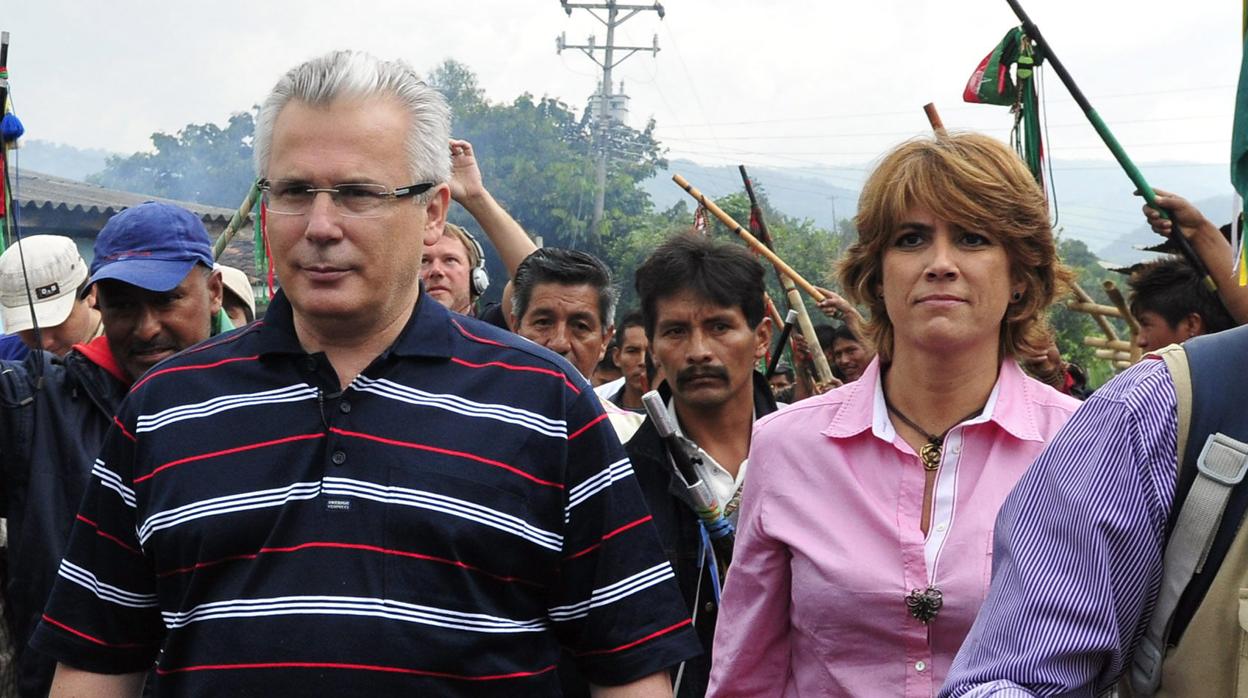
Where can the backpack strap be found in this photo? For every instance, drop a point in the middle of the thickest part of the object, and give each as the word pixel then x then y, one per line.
pixel 1221 466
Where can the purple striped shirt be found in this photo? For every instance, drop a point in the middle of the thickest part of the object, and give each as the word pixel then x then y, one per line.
pixel 1078 550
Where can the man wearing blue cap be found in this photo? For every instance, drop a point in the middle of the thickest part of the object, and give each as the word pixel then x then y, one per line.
pixel 157 294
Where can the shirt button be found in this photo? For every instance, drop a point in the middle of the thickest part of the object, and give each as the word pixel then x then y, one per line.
pixel 920 665
pixel 309 364
pixel 941 526
pixel 709 607
pixel 344 407
pixel 338 458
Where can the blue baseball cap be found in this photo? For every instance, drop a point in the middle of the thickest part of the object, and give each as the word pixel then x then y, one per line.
pixel 152 246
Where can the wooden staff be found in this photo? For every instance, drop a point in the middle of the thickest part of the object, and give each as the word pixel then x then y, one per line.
pixel 933 118
pixel 823 370
pixel 750 240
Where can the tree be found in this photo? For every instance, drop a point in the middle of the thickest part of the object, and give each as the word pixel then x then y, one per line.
pixel 203 163
pixel 1071 327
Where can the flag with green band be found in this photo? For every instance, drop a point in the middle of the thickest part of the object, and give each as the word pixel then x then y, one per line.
pixel 991 82
pixel 1239 132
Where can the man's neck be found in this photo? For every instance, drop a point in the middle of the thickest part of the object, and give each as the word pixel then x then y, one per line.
pixel 351 346
pixel 722 431
pixel 467 308
pixel 935 389
pixel 630 399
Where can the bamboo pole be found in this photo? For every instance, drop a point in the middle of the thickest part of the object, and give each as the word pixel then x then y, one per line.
pixel 1115 356
pixel 1102 343
pixel 933 118
pixel 823 370
pixel 236 221
pixel 1115 297
pixel 749 239
pixel 1101 322
pixel 1094 309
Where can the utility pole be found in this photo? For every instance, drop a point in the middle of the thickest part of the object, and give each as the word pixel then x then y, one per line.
pixel 604 107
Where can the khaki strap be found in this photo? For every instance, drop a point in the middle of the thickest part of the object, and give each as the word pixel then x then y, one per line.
pixel 1220 467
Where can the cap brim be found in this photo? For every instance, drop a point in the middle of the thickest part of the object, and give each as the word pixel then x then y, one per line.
pixel 157 275
pixel 49 313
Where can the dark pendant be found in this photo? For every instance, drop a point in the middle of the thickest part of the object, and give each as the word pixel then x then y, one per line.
pixel 930 454
pixel 924 604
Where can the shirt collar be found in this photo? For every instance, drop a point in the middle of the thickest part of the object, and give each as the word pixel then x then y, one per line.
pixel 1009 406
pixel 431 339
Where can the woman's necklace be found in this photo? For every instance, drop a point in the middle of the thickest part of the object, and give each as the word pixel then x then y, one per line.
pixel 924 604
pixel 930 452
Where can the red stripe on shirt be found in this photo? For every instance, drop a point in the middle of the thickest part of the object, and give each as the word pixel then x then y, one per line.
pixel 448 452
pixel 108 536
pixel 124 433
pixel 347 546
pixel 228 451
pixel 474 337
pixel 361 667
pixel 585 428
pixel 52 621
pixel 193 367
pixel 611 534
pixel 514 367
pixel 634 643
pixel 220 341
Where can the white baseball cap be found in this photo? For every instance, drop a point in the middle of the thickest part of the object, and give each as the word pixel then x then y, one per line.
pixel 55 271
pixel 236 284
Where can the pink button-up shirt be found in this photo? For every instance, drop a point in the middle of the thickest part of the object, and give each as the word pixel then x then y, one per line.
pixel 829 545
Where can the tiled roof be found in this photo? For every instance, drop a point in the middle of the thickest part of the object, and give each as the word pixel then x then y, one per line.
pixel 47 192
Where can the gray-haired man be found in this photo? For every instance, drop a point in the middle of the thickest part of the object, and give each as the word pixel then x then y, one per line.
pixel 364 493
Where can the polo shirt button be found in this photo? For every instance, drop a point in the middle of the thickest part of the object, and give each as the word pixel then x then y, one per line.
pixel 338 458
pixel 920 665
pixel 941 526
pixel 709 607
pixel 344 407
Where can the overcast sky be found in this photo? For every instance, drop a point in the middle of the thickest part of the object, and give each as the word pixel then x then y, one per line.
pixel 789 82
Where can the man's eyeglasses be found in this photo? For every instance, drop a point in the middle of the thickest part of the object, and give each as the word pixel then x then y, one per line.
pixel 294 198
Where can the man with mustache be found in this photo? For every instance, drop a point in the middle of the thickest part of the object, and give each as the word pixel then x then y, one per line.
pixel 362 493
pixel 157 294
pixel 702 305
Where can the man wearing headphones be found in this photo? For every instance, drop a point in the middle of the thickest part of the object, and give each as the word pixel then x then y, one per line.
pixel 453 268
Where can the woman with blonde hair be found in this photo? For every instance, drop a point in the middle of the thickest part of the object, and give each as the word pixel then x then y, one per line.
pixel 865 536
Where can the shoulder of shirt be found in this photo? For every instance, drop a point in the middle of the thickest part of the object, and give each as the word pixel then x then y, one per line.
pixel 1146 386
pixel 1042 395
pixel 819 407
pixel 473 331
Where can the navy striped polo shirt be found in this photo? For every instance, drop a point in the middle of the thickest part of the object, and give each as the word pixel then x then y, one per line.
pixel 444 525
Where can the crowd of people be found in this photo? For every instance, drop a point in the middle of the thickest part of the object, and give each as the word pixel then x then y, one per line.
pixel 385 486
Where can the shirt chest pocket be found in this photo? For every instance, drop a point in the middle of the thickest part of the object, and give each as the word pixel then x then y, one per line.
pixel 453 530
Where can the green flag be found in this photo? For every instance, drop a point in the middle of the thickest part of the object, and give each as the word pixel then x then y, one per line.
pixel 1239 132
pixel 991 82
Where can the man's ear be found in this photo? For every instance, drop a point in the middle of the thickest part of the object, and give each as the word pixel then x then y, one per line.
pixel 216 289
pixel 435 213
pixel 1193 325
pixel 762 337
pixel 606 341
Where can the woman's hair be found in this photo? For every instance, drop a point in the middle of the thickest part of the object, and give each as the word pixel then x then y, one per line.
pixel 976 183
